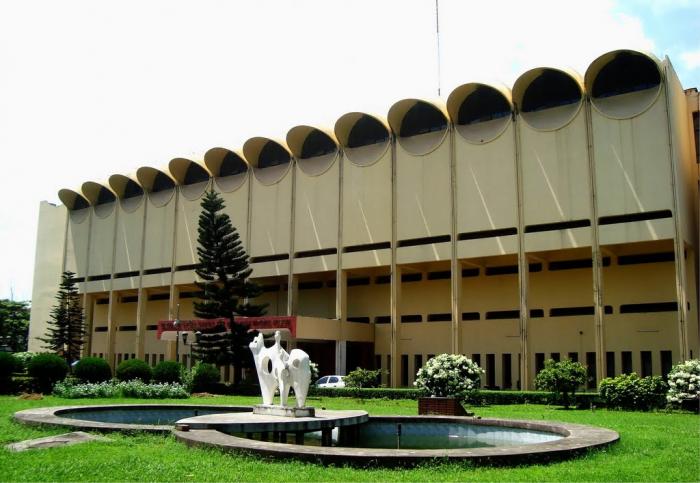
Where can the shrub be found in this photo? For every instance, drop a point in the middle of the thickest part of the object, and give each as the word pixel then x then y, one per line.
pixel 142 390
pixel 110 389
pixel 8 365
pixel 363 378
pixel 168 371
pixel 561 378
pixel 314 371
pixel 92 369
pixel 46 370
pixel 134 369
pixel 23 359
pixel 449 375
pixel 684 383
pixel 70 390
pixel 204 377
pixel 629 391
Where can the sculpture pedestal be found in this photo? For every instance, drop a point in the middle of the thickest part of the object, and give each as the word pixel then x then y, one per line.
pixel 285 411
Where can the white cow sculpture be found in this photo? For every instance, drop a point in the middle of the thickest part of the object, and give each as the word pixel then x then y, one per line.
pixel 279 369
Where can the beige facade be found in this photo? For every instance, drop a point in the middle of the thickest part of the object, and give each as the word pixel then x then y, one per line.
pixel 557 220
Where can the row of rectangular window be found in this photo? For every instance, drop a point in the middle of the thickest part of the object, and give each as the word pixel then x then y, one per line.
pixel 489 378
pixel 557 265
pixel 534 313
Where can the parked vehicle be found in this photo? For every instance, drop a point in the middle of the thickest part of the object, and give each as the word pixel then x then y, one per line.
pixel 330 381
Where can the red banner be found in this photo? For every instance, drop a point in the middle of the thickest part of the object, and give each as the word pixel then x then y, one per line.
pixel 253 323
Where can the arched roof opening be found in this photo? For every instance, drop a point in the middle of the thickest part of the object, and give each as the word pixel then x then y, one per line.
pixel 315 150
pixel 623 83
pixel 73 200
pixel 128 190
pixel 420 126
pixel 192 177
pixel 479 112
pixel 100 196
pixel 159 185
pixel 270 159
pixel 364 137
pixel 229 168
pixel 547 98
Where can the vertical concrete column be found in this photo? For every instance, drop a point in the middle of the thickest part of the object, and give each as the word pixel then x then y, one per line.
pixel 341 282
pixel 678 242
pixel 455 267
pixel 596 254
pixel 341 303
pixel 292 280
pixel 395 325
pixel 292 294
pixel 141 322
pixel 395 297
pixel 88 309
pixel 171 351
pixel 523 268
pixel 111 330
pixel 341 352
pixel 85 275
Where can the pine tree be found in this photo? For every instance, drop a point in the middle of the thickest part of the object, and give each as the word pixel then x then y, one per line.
pixel 65 334
pixel 223 265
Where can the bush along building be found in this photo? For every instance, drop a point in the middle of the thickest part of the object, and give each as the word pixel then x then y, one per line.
pixel 556 220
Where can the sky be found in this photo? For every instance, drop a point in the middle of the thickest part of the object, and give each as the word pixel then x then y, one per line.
pixel 93 88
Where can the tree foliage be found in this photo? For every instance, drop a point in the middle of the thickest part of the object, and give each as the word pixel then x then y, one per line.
pixel 14 324
pixel 363 378
pixel 65 334
pixel 227 289
pixel 561 378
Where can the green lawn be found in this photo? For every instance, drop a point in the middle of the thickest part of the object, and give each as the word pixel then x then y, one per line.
pixel 653 447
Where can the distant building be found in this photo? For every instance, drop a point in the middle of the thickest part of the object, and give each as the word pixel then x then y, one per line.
pixel 557 221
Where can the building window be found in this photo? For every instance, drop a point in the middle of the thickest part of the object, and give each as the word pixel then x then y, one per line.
pixel 591 367
pixel 610 364
pixel 666 363
pixel 555 356
pixel 404 370
pixel 417 362
pixel 539 362
pixel 491 371
pixel 626 362
pixel 646 363
pixel 507 371
pixel 573 356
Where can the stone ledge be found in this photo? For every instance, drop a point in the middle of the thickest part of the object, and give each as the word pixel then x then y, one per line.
pixel 578 439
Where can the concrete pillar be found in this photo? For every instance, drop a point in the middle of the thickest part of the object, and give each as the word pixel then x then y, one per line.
pixel 141 322
pixel 395 376
pixel 341 357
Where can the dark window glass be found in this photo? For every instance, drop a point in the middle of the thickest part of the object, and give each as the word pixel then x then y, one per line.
pixel 609 364
pixel 666 363
pixel 626 362
pixel 592 383
pixel 646 364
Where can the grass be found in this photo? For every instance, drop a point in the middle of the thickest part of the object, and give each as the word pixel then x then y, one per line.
pixel 657 446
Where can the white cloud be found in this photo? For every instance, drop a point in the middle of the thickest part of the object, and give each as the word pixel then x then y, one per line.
pixel 691 59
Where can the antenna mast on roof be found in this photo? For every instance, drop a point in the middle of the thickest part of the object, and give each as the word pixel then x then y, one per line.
pixel 437 32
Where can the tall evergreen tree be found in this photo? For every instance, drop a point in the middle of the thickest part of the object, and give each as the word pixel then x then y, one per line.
pixel 223 265
pixel 65 334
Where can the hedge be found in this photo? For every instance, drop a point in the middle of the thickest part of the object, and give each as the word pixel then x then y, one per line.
pixel 482 397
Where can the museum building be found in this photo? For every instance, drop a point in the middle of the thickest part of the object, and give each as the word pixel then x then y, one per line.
pixel 556 220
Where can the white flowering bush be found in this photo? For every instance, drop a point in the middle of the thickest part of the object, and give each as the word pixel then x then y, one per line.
pixel 449 375
pixel 70 389
pixel 684 382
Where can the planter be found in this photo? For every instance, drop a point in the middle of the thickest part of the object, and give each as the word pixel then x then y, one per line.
pixel 442 406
